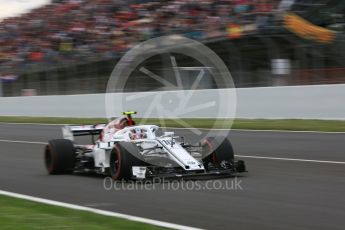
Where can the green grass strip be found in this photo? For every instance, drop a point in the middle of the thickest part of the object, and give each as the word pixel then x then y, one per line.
pixel 253 124
pixel 22 214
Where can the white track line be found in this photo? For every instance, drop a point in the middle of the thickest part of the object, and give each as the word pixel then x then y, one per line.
pixel 244 156
pixel 24 142
pixel 99 211
pixel 291 159
pixel 243 130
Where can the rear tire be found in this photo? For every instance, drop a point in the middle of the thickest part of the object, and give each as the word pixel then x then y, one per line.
pixel 59 156
pixel 123 156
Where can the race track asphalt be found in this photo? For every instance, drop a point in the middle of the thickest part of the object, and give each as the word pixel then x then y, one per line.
pixel 274 194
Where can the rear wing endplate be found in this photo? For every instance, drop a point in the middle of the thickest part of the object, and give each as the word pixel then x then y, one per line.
pixel 69 132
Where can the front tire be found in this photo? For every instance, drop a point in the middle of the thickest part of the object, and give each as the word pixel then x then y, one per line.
pixel 220 149
pixel 123 156
pixel 59 156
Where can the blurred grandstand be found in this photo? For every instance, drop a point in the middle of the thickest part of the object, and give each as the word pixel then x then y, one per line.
pixel 71 46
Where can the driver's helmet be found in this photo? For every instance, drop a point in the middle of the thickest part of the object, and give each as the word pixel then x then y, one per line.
pixel 113 127
pixel 120 123
pixel 137 134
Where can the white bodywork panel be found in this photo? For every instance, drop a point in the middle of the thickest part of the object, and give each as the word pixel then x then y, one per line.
pixel 101 157
pixel 102 148
pixel 139 172
pixel 183 158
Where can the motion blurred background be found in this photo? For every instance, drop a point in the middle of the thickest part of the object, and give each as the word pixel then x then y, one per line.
pixel 71 46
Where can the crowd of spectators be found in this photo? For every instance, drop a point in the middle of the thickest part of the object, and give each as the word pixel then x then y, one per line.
pixel 69 31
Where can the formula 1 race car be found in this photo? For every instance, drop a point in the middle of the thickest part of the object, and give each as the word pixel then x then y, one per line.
pixel 127 151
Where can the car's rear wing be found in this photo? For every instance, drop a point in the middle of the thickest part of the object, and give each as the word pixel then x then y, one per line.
pixel 69 132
